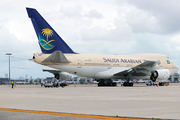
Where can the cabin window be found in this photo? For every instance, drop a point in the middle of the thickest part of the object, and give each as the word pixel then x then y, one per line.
pixel 168 62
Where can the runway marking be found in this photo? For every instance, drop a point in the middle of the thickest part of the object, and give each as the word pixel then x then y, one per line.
pixel 75 115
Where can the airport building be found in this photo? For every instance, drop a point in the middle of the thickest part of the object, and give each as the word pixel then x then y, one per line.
pixel 21 81
pixel 174 78
pixel 75 80
pixel 4 81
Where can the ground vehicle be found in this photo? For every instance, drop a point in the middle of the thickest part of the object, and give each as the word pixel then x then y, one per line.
pixel 56 83
pixel 48 84
pixel 117 81
pixel 42 84
pixel 151 83
pixel 63 85
pixel 51 84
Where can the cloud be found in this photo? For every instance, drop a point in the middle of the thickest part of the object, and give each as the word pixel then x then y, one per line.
pixel 142 21
pixel 165 13
pixel 108 27
pixel 94 14
pixel 71 11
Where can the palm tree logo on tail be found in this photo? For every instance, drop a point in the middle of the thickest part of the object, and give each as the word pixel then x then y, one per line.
pixel 44 39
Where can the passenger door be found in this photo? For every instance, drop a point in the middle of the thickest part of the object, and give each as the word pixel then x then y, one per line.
pixel 79 63
pixel 109 65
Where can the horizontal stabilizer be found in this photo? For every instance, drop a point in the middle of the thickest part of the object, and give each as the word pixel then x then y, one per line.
pixel 51 71
pixel 56 57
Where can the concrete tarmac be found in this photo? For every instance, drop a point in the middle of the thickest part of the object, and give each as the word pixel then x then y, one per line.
pixel 139 101
pixel 9 115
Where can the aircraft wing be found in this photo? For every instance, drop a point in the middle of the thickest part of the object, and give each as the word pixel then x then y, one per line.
pixel 140 70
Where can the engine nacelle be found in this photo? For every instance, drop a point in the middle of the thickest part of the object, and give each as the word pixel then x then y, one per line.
pixel 161 74
pixel 63 76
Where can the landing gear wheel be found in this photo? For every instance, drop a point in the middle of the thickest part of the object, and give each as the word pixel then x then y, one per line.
pixel 101 84
pixel 124 84
pixel 127 84
pixel 106 83
pixel 114 84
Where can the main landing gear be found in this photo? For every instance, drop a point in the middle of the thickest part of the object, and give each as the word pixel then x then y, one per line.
pixel 128 77
pixel 128 83
pixel 106 83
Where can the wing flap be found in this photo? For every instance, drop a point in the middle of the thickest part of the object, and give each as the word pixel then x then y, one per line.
pixel 148 63
pixel 138 69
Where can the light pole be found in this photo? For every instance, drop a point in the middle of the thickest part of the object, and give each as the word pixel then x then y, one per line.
pixel 9 66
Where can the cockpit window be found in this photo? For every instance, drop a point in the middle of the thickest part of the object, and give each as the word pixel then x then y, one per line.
pixel 168 62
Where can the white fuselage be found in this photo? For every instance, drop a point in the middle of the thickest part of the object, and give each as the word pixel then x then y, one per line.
pixel 101 66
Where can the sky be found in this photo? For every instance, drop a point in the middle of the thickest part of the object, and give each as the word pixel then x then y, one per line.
pixel 96 26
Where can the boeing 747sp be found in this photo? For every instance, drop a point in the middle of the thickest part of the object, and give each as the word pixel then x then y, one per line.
pixel 57 54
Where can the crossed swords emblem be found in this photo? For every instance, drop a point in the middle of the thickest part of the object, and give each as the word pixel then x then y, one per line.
pixel 47 33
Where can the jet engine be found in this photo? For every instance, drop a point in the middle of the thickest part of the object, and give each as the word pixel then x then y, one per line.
pixel 161 74
pixel 62 76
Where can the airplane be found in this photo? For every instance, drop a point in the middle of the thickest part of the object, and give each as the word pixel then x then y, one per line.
pixel 102 67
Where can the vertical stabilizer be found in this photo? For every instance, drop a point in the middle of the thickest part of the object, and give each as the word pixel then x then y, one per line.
pixel 49 40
